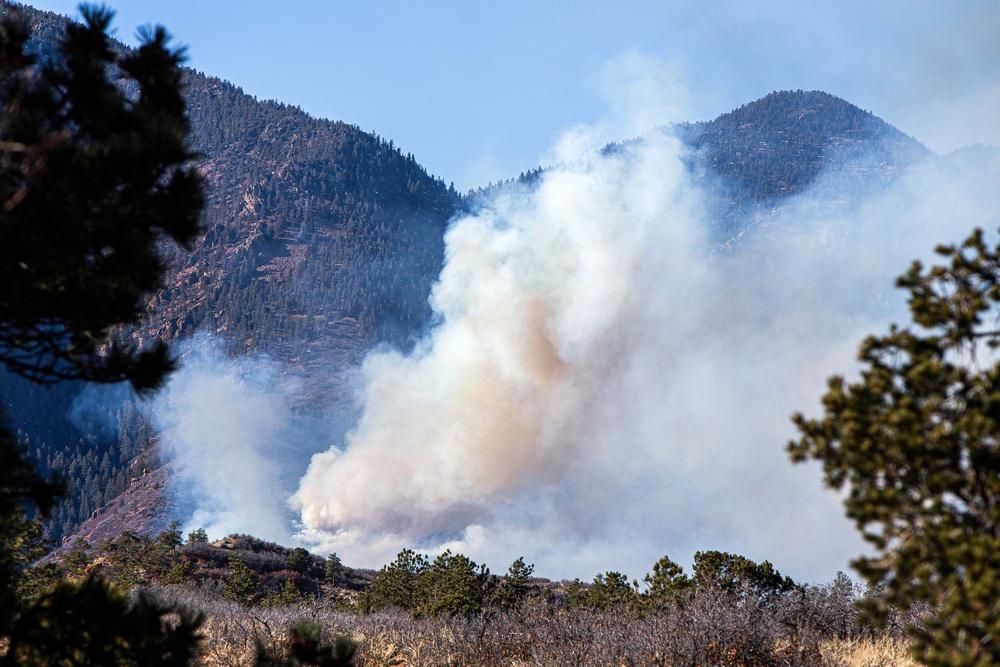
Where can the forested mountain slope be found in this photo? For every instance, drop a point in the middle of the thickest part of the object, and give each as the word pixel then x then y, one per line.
pixel 322 240
pixel 773 148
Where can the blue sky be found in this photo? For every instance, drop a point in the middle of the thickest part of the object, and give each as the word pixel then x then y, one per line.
pixel 479 91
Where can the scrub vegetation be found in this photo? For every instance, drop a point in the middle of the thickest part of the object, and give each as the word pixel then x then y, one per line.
pixel 260 603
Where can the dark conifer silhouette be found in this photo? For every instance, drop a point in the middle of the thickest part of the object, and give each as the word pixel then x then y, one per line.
pixel 93 174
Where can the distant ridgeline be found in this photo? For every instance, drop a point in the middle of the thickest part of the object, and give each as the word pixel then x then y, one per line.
pixel 322 241
pixel 773 148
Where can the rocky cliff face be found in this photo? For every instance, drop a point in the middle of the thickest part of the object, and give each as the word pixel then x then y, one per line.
pixel 320 240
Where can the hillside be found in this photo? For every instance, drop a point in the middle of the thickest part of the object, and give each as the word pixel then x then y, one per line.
pixel 322 240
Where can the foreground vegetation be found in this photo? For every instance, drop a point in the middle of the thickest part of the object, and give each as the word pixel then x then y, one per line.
pixel 259 603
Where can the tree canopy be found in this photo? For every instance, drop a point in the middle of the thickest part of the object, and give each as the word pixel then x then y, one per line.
pixel 915 443
pixel 94 172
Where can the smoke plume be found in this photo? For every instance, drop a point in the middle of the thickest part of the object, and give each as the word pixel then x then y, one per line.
pixel 610 378
pixel 608 383
pixel 229 429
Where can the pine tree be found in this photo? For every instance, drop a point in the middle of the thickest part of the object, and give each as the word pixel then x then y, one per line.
pixel 516 585
pixel 241 584
pixel 914 441
pixel 94 175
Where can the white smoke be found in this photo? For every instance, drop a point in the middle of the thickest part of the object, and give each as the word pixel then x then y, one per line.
pixel 607 382
pixel 226 426
pixel 606 385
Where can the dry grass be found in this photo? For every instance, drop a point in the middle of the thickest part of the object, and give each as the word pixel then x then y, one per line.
pixel 880 652
pixel 432 644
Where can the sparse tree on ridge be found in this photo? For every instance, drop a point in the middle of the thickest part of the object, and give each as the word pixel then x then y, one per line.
pixel 516 585
pixel 666 583
pixel 739 575
pixel 197 536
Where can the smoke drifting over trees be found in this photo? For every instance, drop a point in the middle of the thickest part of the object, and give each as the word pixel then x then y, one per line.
pixel 605 381
pixel 611 375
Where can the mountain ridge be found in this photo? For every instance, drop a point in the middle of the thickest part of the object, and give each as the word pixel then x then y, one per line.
pixel 778 146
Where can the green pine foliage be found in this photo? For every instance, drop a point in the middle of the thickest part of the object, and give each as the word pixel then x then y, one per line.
pixel 335 570
pixel 395 586
pixel 453 585
pixel 91 622
pixel 516 586
pixel 197 536
pixel 914 442
pixel 300 560
pixel 666 583
pixel 138 559
pixel 241 584
pixel 80 255
pixel 288 594
pixel 739 575
pixel 95 176
pixel 611 590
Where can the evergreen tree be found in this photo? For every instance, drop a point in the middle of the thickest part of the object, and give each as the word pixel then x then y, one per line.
pixel 241 584
pixel 666 583
pixel 452 585
pixel 197 536
pixel 611 590
pixel 300 560
pixel 171 538
pixel 334 569
pixel 396 583
pixel 93 176
pixel 915 443
pixel 739 575
pixel 516 585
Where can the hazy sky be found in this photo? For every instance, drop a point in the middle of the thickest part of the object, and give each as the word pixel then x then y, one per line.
pixel 478 91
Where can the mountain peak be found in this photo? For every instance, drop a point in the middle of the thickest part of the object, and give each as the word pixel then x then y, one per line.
pixel 776 146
